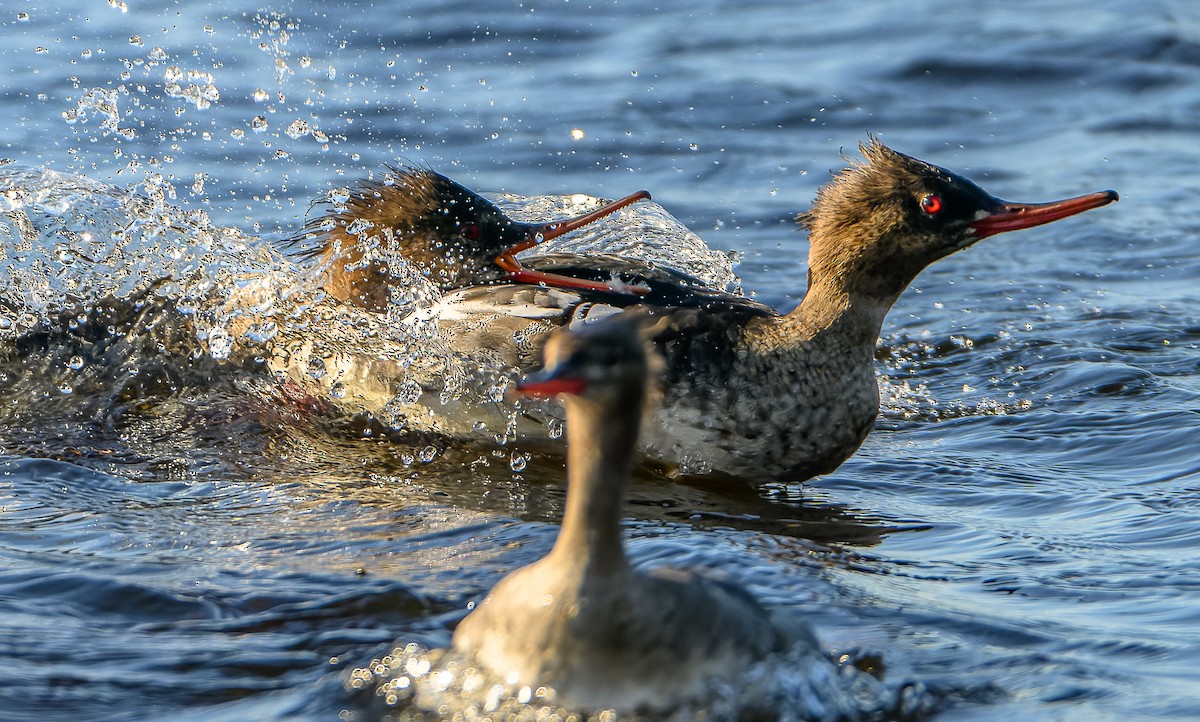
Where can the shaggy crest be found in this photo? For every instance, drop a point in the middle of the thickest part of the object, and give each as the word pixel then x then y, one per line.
pixel 865 185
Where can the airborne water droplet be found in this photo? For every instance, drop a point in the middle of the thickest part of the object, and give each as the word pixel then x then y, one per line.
pixel 316 367
pixel 409 392
pixel 298 129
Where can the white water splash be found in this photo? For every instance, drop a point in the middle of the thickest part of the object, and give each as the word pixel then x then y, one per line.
pixel 412 681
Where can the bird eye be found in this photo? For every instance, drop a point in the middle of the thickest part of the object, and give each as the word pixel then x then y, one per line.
pixel 469 231
pixel 931 204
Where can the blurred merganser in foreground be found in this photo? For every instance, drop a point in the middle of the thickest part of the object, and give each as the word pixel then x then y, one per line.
pixel 747 391
pixel 581 620
pixel 454 236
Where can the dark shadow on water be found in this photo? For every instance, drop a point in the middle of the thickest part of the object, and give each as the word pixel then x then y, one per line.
pixel 528 482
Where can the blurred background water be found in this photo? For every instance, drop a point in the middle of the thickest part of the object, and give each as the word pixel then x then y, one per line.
pixel 1018 539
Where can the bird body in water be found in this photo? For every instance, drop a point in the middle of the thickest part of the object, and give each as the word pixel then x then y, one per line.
pixel 582 620
pixel 748 391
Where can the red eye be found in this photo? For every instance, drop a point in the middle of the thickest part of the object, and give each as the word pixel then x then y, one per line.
pixel 931 204
pixel 469 231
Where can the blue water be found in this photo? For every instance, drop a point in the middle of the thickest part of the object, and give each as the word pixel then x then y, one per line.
pixel 1019 538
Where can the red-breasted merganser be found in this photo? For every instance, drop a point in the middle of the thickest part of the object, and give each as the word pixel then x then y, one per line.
pixel 747 391
pixel 581 620
pixel 454 236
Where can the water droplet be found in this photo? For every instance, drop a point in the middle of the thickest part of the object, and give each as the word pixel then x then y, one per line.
pixel 517 462
pixel 338 390
pixel 298 129
pixel 75 363
pixel 428 454
pixel 316 367
pixel 220 344
pixel 409 392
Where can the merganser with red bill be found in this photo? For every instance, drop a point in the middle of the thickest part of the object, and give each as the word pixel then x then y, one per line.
pixel 454 236
pixel 748 392
pixel 1016 216
pixel 582 621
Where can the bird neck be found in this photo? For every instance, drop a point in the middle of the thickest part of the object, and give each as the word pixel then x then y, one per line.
pixel 832 305
pixel 856 270
pixel 602 443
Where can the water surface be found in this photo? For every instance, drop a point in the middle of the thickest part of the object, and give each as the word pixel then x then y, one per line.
pixel 1018 538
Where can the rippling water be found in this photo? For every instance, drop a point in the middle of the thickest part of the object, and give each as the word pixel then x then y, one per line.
pixel 1017 540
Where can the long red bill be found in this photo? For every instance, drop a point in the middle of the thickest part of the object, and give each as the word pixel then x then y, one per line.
pixel 545 387
pixel 1016 216
pixel 559 228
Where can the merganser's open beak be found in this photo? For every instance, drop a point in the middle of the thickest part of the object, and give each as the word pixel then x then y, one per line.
pixel 1016 216
pixel 561 228
pixel 516 272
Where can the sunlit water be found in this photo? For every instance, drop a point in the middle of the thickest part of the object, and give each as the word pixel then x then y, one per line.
pixel 1017 540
